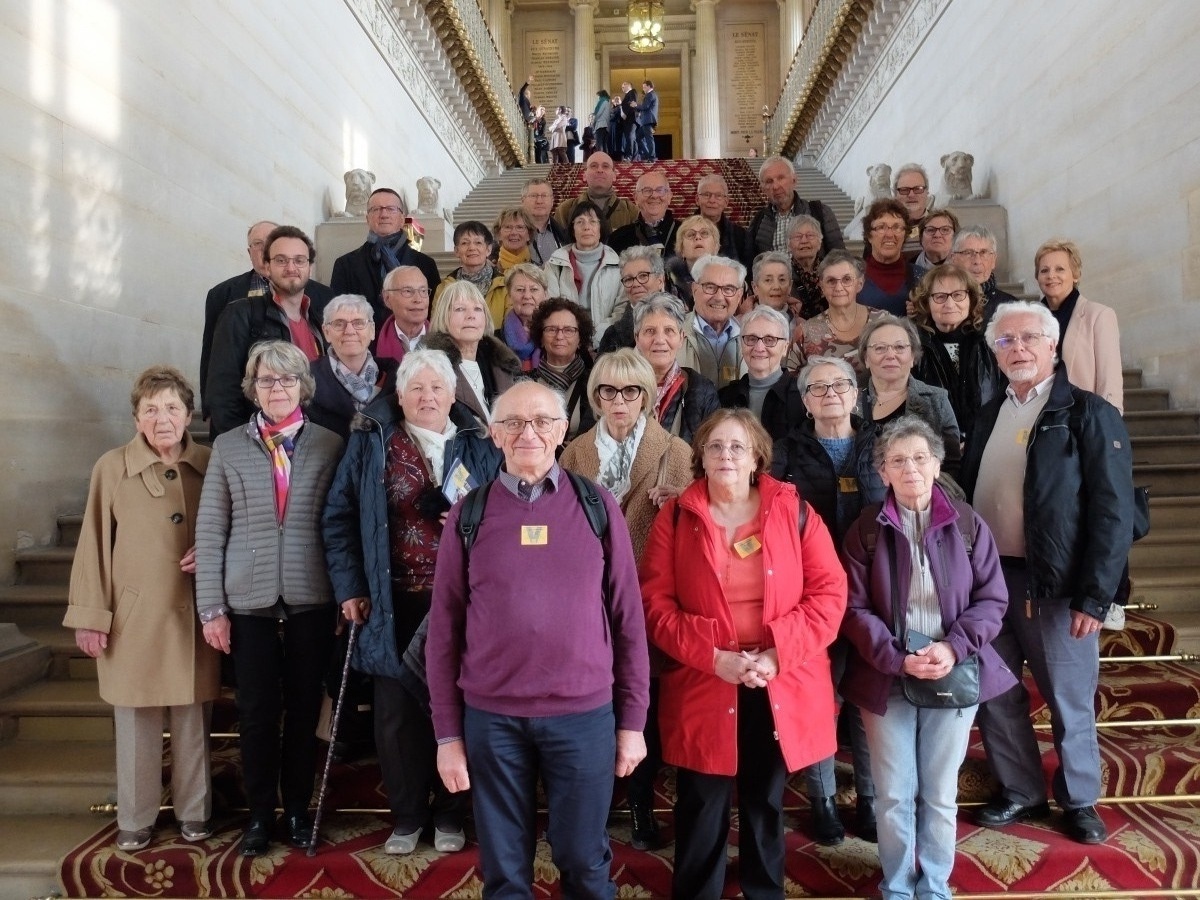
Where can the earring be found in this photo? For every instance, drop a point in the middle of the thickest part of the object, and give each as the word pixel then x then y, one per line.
pixel 808 413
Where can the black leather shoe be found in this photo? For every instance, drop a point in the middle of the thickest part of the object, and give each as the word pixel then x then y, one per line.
pixel 644 830
pixel 256 839
pixel 999 813
pixel 827 827
pixel 299 829
pixel 1085 826
pixel 864 820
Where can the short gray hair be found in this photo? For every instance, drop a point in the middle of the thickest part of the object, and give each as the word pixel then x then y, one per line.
pixel 652 255
pixel 910 167
pixel 905 324
pixel 393 276
pixel 422 358
pixel 815 362
pixel 774 316
pixel 771 256
pixel 1004 310
pixel 774 160
pixel 283 357
pixel 974 231
pixel 837 257
pixel 804 221
pixel 712 178
pixel 356 303
pixel 700 266
pixel 659 303
pixel 907 426
pixel 559 400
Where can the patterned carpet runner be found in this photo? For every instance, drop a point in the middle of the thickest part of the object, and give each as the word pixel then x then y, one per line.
pixel 1154 843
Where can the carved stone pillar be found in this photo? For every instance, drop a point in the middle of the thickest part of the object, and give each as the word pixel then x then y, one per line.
pixel 706 106
pixel 791 30
pixel 586 76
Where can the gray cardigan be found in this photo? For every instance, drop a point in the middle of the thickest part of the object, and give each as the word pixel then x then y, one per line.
pixel 244 559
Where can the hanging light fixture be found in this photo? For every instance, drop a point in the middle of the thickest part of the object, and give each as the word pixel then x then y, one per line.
pixel 645 25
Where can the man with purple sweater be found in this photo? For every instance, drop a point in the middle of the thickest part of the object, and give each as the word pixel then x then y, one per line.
pixel 537 667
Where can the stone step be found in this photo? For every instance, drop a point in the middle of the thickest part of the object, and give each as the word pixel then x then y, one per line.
pixel 1131 379
pixel 1166 449
pixel 59 777
pixel 1165 548
pixel 44 565
pixel 1187 629
pixel 1173 589
pixel 1163 422
pixel 1169 479
pixel 33 604
pixel 65 710
pixel 1174 512
pixel 1147 399
pixel 32 848
pixel 66 659
pixel 69 526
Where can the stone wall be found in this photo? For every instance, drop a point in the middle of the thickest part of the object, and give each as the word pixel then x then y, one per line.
pixel 1084 121
pixel 141 139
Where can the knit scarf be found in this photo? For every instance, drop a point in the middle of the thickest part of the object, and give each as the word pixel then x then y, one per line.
pixel 560 379
pixel 362 386
pixel 481 279
pixel 507 259
pixel 516 335
pixel 386 252
pixel 280 438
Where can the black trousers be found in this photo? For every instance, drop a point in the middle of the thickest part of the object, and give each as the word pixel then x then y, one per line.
pixel 279 666
pixel 702 813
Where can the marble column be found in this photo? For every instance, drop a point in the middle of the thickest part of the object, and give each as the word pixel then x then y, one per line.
pixel 586 77
pixel 791 29
pixel 706 106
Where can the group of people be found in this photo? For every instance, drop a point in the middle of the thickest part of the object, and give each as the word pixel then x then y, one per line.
pixel 622 491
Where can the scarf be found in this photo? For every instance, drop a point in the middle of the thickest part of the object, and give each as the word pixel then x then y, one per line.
pixel 616 457
pixel 362 386
pixel 386 252
pixel 280 439
pixel 507 259
pixel 432 446
pixel 560 379
pixel 516 335
pixel 481 279
pixel 1063 315
pixel 667 389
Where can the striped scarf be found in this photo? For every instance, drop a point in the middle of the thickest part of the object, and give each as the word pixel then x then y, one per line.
pixel 280 439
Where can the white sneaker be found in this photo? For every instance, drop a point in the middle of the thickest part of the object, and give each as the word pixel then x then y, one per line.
pixel 401 844
pixel 448 841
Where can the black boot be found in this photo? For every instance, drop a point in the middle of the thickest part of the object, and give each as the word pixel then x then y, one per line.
pixel 827 827
pixel 864 820
pixel 644 825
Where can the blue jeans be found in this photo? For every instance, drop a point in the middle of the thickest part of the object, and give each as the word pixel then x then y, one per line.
pixel 575 756
pixel 915 757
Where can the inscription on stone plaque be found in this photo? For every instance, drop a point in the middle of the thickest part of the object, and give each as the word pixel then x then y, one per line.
pixel 745 54
pixel 546 56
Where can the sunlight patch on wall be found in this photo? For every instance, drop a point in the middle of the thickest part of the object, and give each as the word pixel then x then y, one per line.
pixel 92 52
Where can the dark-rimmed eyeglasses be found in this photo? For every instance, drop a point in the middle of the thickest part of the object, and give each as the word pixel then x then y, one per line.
pixel 629 392
pixel 821 388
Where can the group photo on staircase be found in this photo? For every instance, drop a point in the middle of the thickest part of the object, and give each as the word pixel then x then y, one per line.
pixel 708 464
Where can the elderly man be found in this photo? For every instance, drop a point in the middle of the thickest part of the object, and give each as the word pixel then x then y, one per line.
pixel 406 294
pixel 937 238
pixel 655 226
pixel 288 314
pixel 537 199
pixel 975 251
pixel 911 186
pixel 710 331
pixel 642 273
pixel 769 229
pixel 598 174
pixel 712 202
pixel 361 271
pixel 1048 467
pixel 537 659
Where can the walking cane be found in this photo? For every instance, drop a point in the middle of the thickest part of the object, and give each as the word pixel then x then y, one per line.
pixel 333 729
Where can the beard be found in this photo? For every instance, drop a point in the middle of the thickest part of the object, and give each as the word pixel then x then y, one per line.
pixel 1022 373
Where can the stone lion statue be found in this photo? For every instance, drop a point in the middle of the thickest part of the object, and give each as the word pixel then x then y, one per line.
pixel 358 191
pixel 957 172
pixel 427 195
pixel 879 187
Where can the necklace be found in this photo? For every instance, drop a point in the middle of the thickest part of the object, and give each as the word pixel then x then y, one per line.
pixel 850 330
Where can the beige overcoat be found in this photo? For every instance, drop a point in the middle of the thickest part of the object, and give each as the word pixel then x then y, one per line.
pixel 126 581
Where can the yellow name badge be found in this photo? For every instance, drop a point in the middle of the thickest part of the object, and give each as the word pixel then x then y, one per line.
pixel 848 485
pixel 534 536
pixel 748 547
pixel 1022 437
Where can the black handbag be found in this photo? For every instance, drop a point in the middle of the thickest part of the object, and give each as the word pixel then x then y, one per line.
pixel 956 690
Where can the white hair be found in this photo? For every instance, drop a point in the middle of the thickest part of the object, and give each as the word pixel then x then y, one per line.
pixel 700 266
pixel 1018 307
pixel 356 303
pixel 434 360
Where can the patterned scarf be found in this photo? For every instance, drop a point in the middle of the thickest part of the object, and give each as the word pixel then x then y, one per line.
pixel 481 279
pixel 387 251
pixel 560 379
pixel 280 439
pixel 667 389
pixel 616 457
pixel 362 386
pixel 516 336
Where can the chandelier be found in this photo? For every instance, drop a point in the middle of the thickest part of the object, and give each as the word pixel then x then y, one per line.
pixel 645 25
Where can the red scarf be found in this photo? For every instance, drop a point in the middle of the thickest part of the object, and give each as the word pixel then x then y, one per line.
pixel 280 439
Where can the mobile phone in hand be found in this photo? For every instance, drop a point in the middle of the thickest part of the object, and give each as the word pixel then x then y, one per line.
pixel 914 641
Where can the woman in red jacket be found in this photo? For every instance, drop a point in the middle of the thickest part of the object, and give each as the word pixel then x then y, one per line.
pixel 744 594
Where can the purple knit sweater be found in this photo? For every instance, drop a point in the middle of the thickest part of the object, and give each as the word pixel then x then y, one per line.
pixel 534 639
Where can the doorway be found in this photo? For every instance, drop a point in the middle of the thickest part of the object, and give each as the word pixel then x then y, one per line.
pixel 665 74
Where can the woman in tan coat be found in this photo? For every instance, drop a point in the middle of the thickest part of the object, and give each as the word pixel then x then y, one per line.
pixel 644 466
pixel 133 609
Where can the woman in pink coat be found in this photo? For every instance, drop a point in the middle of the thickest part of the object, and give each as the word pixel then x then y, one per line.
pixel 743 593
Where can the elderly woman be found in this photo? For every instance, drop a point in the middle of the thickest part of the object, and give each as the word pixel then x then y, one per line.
pixel 262 588
pixel 525 287
pixel 587 271
pixel 349 377
pixel 908 619
pixel 405 464
pixel 766 387
pixel 472 243
pixel 828 457
pixel 1091 343
pixel 558 136
pixel 684 398
pixel 131 590
pixel 563 331
pixel 937 238
pixel 948 312
pixel 889 276
pixel 804 249
pixel 891 347
pixel 836 331
pixel 634 457
pixel 771 281
pixel 743 592
pixel 642 273
pixel 461 327
pixel 696 237
pixel 514 231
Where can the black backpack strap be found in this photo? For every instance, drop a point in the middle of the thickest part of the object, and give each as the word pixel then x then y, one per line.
pixel 870 533
pixel 968 525
pixel 597 516
pixel 472 514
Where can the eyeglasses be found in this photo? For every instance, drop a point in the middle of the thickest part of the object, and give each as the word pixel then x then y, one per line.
pixel 844 281
pixel 408 292
pixel 711 195
pixel 375 210
pixel 348 324
pixel 941 298
pixel 629 392
pixel 1028 339
pixel 696 233
pixel 975 254
pixel 939 230
pixel 266 382
pixel 639 278
pixel 654 192
pixel 889 229
pixel 881 349
pixel 821 388
pixel 904 192
pixel 734 449
pixel 568 330
pixel 541 424
pixel 283 261
pixel 767 340
pixel 899 463
pixel 728 291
